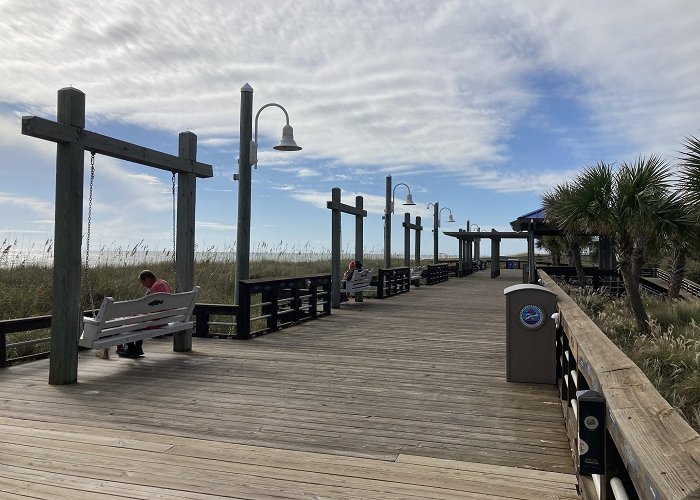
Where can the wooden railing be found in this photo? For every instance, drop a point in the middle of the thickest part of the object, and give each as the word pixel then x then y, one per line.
pixel 283 302
pixel 18 325
pixel 649 449
pixel 437 273
pixel 689 286
pixel 393 281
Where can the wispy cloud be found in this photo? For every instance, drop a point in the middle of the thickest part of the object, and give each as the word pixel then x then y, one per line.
pixel 38 206
pixel 215 226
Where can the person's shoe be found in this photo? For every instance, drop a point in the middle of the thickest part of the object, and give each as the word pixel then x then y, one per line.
pixel 121 352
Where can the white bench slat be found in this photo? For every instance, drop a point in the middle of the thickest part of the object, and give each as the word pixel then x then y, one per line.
pixel 130 320
pixel 358 282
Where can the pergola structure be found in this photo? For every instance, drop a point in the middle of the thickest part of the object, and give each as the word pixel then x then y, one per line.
pixel 529 226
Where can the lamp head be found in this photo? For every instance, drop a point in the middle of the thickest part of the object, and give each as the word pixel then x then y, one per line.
pixel 409 199
pixel 450 218
pixel 287 143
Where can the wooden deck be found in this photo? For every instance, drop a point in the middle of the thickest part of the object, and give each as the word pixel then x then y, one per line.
pixel 399 398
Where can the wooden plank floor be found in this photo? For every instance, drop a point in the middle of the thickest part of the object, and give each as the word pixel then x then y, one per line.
pixel 399 398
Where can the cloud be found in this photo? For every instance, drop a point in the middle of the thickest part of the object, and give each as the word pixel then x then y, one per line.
pixel 413 87
pixel 37 206
pixel 215 226
pixel 307 172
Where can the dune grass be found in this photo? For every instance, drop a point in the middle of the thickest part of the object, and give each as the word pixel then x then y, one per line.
pixel 669 356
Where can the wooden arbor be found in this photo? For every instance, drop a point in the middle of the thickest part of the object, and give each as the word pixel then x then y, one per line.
pixel 407 239
pixel 338 209
pixel 71 139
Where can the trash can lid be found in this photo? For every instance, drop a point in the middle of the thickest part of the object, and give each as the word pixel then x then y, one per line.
pixel 526 286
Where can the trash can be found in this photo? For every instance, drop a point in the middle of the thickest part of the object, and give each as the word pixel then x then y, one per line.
pixel 530 334
pixel 509 264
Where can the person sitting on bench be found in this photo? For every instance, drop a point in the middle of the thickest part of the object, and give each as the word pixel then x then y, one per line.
pixel 153 285
pixel 353 265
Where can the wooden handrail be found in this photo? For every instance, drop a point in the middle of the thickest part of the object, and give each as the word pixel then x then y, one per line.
pixel 660 450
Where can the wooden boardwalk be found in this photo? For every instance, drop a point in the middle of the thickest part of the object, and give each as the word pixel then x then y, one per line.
pixel 399 398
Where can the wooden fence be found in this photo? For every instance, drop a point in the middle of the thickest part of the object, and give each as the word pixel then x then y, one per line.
pixel 393 281
pixel 437 273
pixel 266 305
pixel 649 449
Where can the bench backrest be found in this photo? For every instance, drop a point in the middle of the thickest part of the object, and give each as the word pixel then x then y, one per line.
pixel 151 311
pixel 359 281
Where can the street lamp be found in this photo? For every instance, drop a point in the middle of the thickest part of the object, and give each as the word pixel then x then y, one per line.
pixel 436 224
pixel 247 157
pixel 388 210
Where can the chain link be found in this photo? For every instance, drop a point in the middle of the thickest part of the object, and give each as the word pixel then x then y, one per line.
pixel 86 271
pixel 177 282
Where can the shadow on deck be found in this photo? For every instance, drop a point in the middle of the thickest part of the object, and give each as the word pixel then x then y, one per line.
pixel 399 398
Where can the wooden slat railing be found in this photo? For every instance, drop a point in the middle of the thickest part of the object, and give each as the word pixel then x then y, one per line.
pixel 437 273
pixel 650 448
pixel 393 281
pixel 284 301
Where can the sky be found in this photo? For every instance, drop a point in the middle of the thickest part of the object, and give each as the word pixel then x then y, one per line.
pixel 481 106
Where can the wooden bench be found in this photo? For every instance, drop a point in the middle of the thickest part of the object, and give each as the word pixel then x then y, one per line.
pixel 416 273
pixel 358 282
pixel 131 320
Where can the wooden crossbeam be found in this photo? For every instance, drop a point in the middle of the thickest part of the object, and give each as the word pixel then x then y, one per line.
pixel 346 209
pixel 416 227
pixel 42 128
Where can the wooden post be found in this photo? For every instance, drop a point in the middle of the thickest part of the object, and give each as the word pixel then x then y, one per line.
pixel 460 254
pixel 418 230
pixel 387 224
pixel 335 249
pixel 436 227
pixel 184 263
pixel 244 190
pixel 407 240
pixel 359 239
pixel 531 254
pixel 495 257
pixel 68 235
pixel 337 209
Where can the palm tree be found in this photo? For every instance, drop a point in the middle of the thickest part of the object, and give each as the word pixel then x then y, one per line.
pixel 634 207
pixel 554 245
pixel 554 203
pixel 683 243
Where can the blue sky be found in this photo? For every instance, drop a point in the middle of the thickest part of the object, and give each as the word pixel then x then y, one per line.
pixel 481 106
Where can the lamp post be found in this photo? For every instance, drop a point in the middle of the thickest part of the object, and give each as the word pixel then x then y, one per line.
pixel 388 210
pixel 247 157
pixel 436 225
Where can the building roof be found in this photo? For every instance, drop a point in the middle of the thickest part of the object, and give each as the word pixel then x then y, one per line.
pixel 536 221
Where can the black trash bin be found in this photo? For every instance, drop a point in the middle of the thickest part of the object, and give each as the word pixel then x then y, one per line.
pixel 530 334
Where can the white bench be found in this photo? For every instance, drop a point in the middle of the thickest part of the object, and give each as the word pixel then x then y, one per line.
pixel 416 273
pixel 358 282
pixel 131 320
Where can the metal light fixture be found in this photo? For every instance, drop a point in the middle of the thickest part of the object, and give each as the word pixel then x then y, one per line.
pixel 449 217
pixel 287 142
pixel 409 196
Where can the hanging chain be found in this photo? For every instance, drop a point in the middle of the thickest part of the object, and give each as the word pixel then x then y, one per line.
pixel 177 282
pixel 86 271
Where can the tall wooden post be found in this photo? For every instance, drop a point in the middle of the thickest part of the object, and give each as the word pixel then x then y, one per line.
pixel 436 227
pixel 359 239
pixel 244 189
pixel 495 256
pixel 387 223
pixel 184 264
pixel 460 254
pixel 68 235
pixel 335 250
pixel 532 271
pixel 407 240
pixel 418 231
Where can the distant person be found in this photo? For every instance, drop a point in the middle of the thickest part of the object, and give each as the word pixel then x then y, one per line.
pixel 353 265
pixel 153 285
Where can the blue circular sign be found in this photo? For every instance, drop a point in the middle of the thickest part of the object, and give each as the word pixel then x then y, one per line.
pixel 531 317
